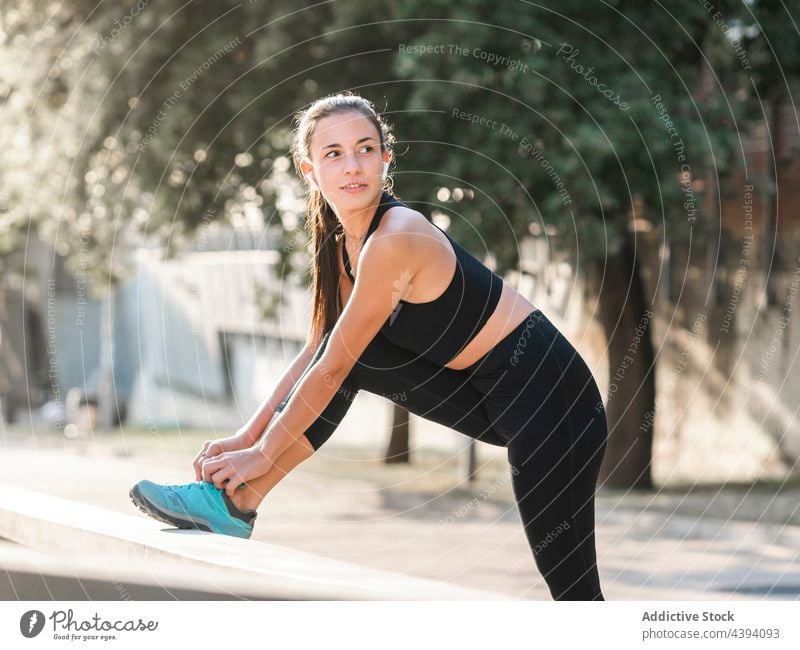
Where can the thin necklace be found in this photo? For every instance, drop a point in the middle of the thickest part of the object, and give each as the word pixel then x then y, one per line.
pixel 351 237
pixel 357 240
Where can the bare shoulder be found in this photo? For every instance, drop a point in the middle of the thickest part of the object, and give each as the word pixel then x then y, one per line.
pixel 402 225
pixel 396 252
pixel 396 239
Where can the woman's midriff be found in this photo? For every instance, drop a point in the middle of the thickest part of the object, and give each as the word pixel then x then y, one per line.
pixel 511 310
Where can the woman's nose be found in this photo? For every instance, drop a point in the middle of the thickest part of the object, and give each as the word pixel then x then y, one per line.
pixel 351 163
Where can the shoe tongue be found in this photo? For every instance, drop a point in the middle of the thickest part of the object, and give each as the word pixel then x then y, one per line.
pixel 247 516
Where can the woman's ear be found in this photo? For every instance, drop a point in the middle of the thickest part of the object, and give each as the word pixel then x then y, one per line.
pixel 307 169
pixel 385 171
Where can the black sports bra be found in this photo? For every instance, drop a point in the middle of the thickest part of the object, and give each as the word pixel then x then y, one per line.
pixel 441 328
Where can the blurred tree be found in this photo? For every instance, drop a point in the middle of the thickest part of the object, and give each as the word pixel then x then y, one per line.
pixel 552 120
pixel 142 122
pixel 768 34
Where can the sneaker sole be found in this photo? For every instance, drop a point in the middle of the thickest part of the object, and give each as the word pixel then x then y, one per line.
pixel 148 508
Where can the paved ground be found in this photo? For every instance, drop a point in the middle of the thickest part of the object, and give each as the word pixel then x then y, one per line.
pixel 424 520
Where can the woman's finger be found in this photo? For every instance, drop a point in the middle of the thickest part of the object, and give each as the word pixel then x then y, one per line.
pixel 218 478
pixel 209 467
pixel 232 480
pixel 232 486
pixel 198 466
pixel 197 463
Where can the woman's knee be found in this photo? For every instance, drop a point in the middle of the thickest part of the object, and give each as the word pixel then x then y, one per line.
pixel 438 394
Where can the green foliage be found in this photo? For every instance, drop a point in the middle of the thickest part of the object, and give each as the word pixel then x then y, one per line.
pixel 542 84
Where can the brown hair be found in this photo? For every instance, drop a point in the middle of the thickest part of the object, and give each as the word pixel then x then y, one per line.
pixel 321 221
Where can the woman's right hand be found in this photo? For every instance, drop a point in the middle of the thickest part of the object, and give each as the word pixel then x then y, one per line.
pixel 242 439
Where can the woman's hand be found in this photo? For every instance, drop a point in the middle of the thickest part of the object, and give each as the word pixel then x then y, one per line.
pixel 242 439
pixel 231 468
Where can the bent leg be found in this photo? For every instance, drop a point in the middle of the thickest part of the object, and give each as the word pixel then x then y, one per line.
pixel 439 394
pixel 430 391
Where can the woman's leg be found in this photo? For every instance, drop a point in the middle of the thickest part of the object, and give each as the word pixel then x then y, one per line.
pixel 425 389
pixel 548 404
pixel 438 394
pixel 430 391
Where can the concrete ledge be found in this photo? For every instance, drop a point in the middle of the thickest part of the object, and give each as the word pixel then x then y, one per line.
pixel 26 574
pixel 96 539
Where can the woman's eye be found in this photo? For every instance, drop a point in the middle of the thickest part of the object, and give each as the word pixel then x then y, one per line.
pixel 366 147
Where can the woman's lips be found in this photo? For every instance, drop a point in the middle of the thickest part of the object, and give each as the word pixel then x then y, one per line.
pixel 354 190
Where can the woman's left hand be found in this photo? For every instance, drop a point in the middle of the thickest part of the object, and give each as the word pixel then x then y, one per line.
pixel 231 468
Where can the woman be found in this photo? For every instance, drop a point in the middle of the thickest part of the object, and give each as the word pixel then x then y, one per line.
pixel 401 310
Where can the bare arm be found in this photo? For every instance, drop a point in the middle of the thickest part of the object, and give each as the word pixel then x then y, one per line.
pixel 384 276
pixel 248 434
pixel 375 295
pixel 256 425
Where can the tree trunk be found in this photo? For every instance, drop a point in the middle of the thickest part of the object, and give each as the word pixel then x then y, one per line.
pixel 398 451
pixel 106 393
pixel 770 252
pixel 472 461
pixel 630 406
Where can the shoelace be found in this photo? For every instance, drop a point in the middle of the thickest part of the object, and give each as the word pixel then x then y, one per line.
pixel 184 486
pixel 176 493
pixel 176 489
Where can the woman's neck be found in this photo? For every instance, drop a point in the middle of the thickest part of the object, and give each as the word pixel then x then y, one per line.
pixel 355 221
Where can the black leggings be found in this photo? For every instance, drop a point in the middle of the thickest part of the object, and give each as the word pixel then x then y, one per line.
pixel 533 394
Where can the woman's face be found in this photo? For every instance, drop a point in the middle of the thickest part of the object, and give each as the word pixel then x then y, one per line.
pixel 346 159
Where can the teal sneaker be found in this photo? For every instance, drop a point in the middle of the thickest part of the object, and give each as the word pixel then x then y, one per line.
pixel 199 505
